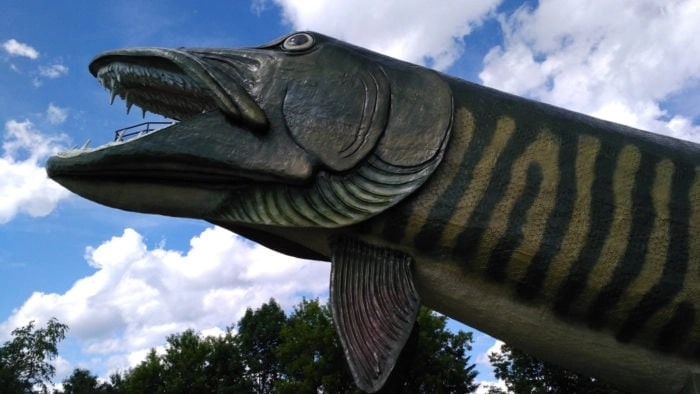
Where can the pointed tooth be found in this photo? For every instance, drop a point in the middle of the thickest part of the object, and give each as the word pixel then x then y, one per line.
pixel 85 145
pixel 129 104
pixel 112 95
pixel 143 113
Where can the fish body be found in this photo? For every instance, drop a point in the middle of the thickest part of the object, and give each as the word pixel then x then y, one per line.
pixel 575 239
pixel 569 237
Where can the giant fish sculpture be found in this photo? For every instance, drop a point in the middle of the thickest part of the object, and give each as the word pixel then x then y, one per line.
pixel 571 238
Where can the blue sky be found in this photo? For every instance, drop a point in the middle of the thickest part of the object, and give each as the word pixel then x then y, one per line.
pixel 124 281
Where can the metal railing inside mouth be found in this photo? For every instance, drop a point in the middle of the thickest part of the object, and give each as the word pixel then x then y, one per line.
pixel 138 130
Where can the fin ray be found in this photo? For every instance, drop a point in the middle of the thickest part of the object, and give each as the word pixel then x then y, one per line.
pixel 374 304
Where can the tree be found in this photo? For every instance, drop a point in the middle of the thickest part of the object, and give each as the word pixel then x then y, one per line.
pixel 191 364
pixel 313 360
pixel 523 373
pixel 225 370
pixel 24 361
pixel 440 362
pixel 310 353
pixel 184 363
pixel 145 378
pixel 300 353
pixel 81 381
pixel 258 337
pixel 116 383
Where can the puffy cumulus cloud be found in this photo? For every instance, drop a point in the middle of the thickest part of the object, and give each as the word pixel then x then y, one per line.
pixel 16 48
pixel 139 295
pixel 615 60
pixel 419 31
pixel 56 114
pixel 24 186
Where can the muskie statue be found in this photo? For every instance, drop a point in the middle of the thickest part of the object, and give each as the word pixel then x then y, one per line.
pixel 573 239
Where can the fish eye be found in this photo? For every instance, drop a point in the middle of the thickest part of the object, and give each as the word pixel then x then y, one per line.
pixel 298 42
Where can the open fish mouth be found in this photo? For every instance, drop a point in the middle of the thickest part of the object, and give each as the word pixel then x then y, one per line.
pixel 211 96
pixel 266 135
pixel 178 84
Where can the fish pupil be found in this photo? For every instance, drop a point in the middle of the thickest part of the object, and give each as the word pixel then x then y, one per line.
pixel 299 40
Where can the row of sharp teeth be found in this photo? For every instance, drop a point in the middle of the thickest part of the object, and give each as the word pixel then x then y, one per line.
pixel 117 73
pixel 115 76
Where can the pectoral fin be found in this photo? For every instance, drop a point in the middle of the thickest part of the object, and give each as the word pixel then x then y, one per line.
pixel 374 305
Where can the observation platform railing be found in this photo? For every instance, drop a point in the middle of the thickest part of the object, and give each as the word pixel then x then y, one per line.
pixel 141 128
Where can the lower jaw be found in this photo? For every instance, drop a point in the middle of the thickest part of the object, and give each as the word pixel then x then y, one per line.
pixel 143 197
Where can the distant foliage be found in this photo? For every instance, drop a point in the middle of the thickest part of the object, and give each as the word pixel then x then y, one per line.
pixel 191 364
pixel 299 353
pixel 311 354
pixel 441 363
pixel 269 352
pixel 258 339
pixel 523 373
pixel 25 360
pixel 81 381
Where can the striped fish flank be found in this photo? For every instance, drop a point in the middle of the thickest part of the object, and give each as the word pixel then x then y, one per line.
pixel 593 221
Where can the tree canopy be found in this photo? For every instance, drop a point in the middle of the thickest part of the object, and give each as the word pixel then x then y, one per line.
pixel 275 353
pixel 82 381
pixel 523 373
pixel 25 360
pixel 311 354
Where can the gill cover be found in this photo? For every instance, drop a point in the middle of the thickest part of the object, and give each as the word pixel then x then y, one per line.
pixel 358 102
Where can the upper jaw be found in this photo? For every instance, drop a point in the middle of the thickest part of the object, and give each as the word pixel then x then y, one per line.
pixel 212 93
pixel 179 84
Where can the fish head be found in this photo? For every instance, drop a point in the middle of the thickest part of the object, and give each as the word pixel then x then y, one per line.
pixel 305 131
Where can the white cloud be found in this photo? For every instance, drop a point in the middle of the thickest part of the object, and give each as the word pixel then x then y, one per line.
pixel 485 387
pixel 16 48
pixel 56 114
pixel 258 6
pixel 483 360
pixel 413 30
pixel 53 71
pixel 63 366
pixel 24 185
pixel 137 296
pixel 614 60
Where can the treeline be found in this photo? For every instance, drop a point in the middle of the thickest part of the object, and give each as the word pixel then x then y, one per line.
pixel 299 353
pixel 270 352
